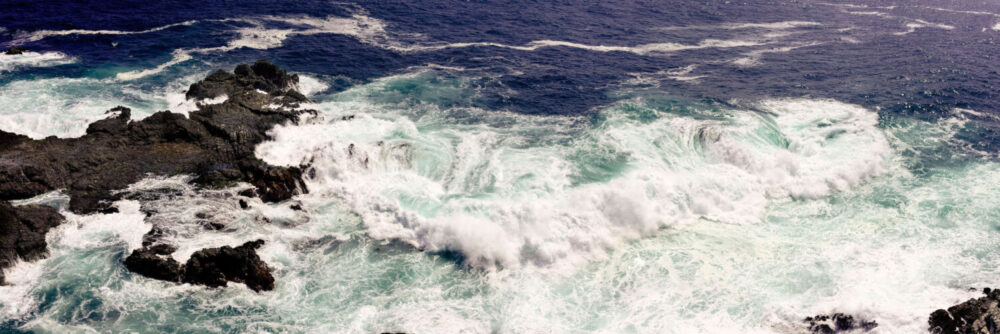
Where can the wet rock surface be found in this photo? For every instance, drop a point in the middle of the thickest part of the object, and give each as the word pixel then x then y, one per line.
pixel 974 316
pixel 215 142
pixel 213 267
pixel 22 232
pixel 15 51
pixel 838 323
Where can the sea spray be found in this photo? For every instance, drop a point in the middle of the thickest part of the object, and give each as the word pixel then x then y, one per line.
pixel 743 221
pixel 477 189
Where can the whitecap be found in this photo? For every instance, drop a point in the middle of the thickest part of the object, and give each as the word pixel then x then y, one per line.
pixel 33 59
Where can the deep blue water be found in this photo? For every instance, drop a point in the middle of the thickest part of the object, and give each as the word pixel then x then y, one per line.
pixel 923 75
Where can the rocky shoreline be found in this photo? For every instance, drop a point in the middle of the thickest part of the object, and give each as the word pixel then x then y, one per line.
pixel 215 143
pixel 974 316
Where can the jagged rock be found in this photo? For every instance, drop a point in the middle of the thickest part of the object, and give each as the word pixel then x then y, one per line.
pixel 214 267
pixel 838 323
pixel 974 316
pixel 16 51
pixel 113 125
pixel 262 75
pixel 153 263
pixel 273 184
pixel 22 232
pixel 215 142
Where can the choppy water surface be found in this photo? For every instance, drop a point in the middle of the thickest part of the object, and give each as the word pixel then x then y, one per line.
pixel 631 167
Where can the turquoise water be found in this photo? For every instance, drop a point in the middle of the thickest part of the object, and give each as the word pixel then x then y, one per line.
pixel 654 214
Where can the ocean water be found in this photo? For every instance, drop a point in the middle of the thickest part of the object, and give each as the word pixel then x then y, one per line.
pixel 527 167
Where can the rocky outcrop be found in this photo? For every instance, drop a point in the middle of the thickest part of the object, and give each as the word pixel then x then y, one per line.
pixel 974 316
pixel 838 323
pixel 215 142
pixel 22 232
pixel 15 51
pixel 155 262
pixel 213 267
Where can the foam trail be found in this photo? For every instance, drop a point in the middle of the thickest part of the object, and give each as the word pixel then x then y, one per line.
pixel 917 24
pixel 373 32
pixel 753 57
pixel 33 59
pixel 179 56
pixel 654 78
pixel 33 36
pixel 970 12
pixel 739 26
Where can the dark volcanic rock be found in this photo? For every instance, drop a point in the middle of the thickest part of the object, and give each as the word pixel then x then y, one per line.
pixel 214 267
pixel 215 142
pixel 16 51
pixel 262 75
pixel 273 184
pixel 974 316
pixel 155 262
pixel 838 323
pixel 22 232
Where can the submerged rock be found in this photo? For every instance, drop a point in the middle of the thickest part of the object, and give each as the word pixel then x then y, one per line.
pixel 838 323
pixel 213 267
pixel 22 232
pixel 215 142
pixel 974 316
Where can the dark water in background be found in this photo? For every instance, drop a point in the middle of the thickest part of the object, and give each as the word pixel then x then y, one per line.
pixel 851 57
pixel 912 60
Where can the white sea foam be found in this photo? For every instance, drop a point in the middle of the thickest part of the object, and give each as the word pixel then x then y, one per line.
pixel 62 107
pixel 186 212
pixel 738 26
pixel 27 37
pixel 911 24
pixel 456 189
pixel 970 12
pixel 33 59
pixel 799 209
pixel 374 32
pixel 654 78
pixel 179 56
pixel 917 24
pixel 78 235
pixel 309 85
pixel 752 58
pixel 182 105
